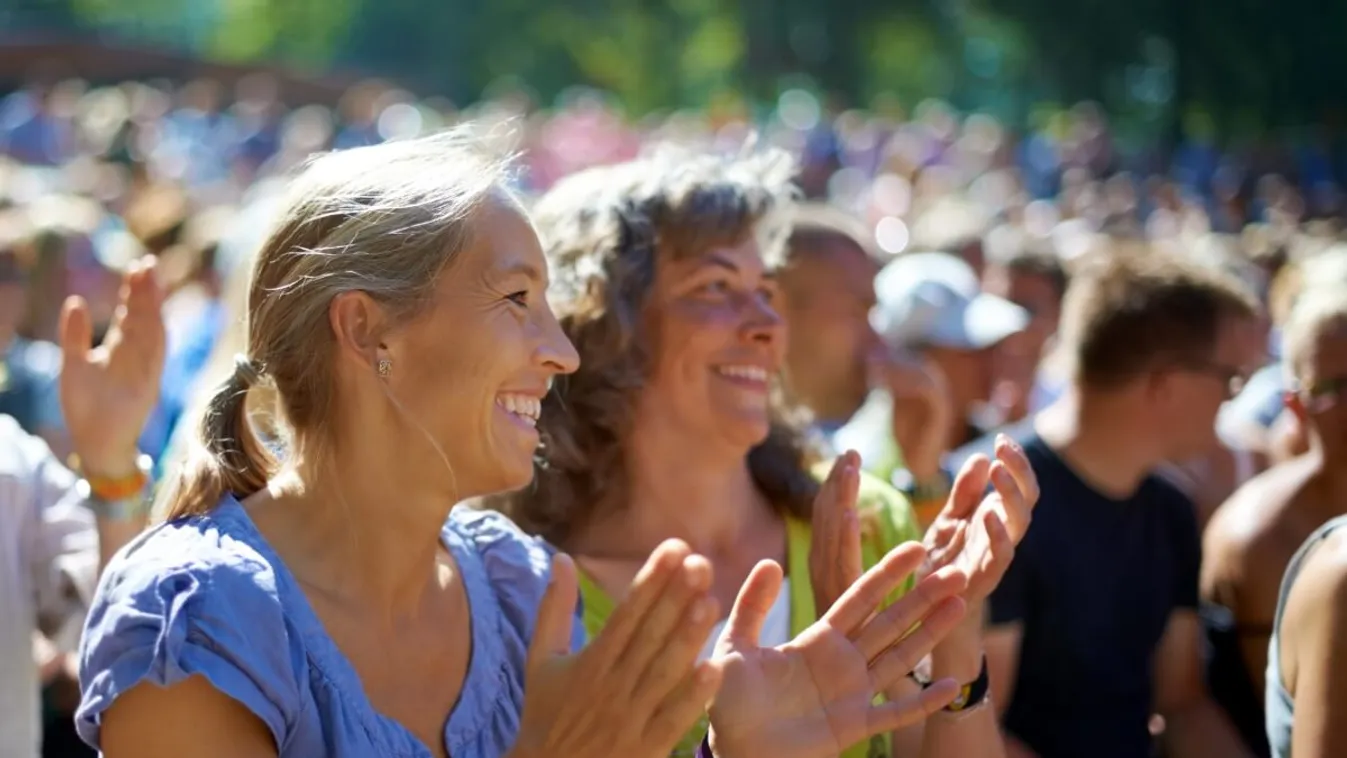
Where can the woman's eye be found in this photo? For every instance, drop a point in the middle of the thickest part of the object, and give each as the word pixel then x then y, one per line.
pixel 520 298
pixel 720 286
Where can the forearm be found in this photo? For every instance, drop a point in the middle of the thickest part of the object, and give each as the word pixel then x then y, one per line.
pixel 923 447
pixel 1201 729
pixel 120 521
pixel 114 534
pixel 972 733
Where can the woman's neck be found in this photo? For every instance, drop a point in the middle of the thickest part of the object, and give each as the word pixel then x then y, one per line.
pixel 356 526
pixel 708 501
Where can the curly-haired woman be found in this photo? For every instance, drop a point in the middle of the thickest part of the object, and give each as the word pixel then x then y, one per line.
pixel 674 426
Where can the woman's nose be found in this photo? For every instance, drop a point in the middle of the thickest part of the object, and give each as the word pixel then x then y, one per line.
pixel 762 321
pixel 557 352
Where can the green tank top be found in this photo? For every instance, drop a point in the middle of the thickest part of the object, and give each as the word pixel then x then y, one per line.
pixel 887 520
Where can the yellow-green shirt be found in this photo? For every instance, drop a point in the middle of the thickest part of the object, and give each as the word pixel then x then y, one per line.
pixel 887 520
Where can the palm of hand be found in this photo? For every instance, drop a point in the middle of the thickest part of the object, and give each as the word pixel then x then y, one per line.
pixel 805 698
pixel 978 534
pixel 964 544
pixel 107 392
pixel 814 696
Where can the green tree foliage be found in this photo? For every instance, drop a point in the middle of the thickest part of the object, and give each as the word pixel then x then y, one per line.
pixel 1241 63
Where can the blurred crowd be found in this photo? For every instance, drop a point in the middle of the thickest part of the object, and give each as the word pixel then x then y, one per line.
pixel 946 241
pixel 93 177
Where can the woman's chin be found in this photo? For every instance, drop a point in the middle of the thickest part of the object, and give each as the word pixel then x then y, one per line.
pixel 744 433
pixel 511 476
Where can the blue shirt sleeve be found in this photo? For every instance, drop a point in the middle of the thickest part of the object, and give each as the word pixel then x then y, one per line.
pixel 182 602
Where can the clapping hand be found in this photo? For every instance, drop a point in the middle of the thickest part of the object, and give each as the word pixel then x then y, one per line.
pixel 107 392
pixel 637 688
pixel 835 533
pixel 979 534
pixel 814 696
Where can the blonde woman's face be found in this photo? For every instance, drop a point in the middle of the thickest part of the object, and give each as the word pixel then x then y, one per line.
pixel 717 345
pixel 474 369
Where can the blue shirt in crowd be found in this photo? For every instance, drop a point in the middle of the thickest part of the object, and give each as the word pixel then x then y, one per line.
pixel 207 596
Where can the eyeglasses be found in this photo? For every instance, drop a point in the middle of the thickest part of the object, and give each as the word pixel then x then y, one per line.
pixel 1323 395
pixel 1234 379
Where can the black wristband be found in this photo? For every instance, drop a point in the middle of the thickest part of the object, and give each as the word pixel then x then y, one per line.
pixel 972 694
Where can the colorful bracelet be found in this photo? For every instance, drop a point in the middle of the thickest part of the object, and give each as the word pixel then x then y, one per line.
pixel 123 498
pixel 120 487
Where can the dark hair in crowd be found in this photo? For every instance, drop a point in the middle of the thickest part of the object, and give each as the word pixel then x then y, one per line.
pixel 1128 313
pixel 1016 251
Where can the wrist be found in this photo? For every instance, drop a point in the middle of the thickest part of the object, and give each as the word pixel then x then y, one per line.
pixel 107 464
pixel 922 488
pixel 959 655
pixel 924 467
pixel 122 499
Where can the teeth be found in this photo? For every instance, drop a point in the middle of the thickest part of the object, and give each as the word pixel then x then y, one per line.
pixel 523 406
pixel 752 373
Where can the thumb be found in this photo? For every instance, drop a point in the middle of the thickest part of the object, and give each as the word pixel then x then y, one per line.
pixel 743 629
pixel 556 613
pixel 77 330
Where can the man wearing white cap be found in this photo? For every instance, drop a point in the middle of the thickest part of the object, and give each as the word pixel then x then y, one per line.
pixel 935 319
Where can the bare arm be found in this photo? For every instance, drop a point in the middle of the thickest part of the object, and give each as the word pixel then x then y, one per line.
pixel 1194 725
pixel 1314 655
pixel 973 733
pixel 1003 661
pixel 1242 564
pixel 188 718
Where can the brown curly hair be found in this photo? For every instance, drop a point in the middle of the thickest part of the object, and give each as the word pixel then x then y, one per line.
pixel 604 231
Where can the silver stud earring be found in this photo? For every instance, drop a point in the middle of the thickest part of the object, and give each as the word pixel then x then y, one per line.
pixel 385 367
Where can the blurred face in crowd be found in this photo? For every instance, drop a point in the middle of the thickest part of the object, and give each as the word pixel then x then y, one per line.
pixel 827 295
pixel 1191 393
pixel 716 346
pixel 13 298
pixel 1017 357
pixel 1321 399
pixel 970 374
pixel 1034 293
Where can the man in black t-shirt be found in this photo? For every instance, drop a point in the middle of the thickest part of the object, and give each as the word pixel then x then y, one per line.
pixel 1094 627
